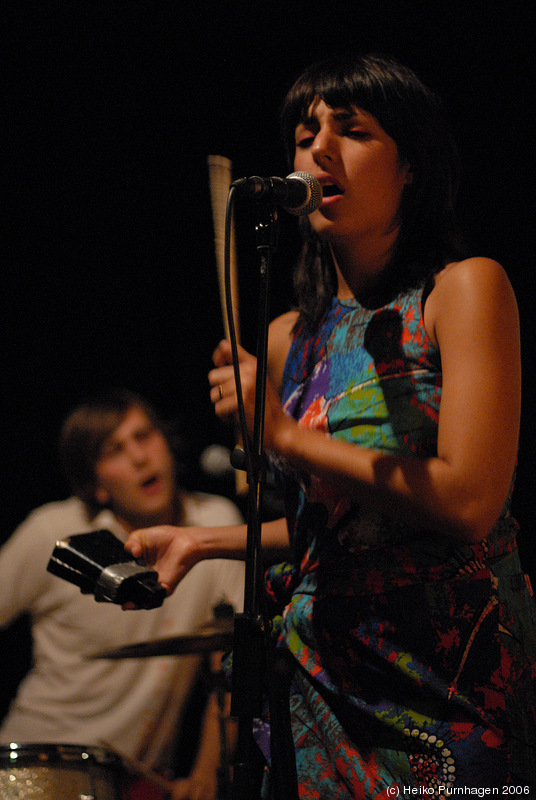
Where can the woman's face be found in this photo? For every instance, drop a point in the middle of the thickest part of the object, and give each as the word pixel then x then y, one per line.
pixel 359 169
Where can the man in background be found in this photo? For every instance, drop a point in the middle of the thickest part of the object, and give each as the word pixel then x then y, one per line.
pixel 120 464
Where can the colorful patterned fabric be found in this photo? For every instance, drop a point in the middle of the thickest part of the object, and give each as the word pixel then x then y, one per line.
pixel 415 656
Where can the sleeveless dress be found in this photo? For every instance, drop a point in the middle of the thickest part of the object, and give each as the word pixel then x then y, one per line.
pixel 415 655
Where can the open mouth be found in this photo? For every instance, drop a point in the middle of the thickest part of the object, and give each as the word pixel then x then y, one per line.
pixel 330 190
pixel 149 482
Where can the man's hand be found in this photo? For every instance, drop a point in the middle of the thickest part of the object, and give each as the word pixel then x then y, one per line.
pixel 198 786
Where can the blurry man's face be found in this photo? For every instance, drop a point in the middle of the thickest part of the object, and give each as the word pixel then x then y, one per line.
pixel 135 473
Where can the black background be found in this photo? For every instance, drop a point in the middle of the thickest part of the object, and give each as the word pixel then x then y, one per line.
pixel 109 275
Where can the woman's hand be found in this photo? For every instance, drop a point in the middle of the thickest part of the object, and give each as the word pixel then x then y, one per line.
pixel 222 380
pixel 171 551
pixel 224 396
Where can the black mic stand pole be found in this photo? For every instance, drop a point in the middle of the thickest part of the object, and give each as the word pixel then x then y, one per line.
pixel 256 662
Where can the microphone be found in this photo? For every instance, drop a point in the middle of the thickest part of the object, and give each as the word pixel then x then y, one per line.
pixel 215 461
pixel 298 193
pixel 98 564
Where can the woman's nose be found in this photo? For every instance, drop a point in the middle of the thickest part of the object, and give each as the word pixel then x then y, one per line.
pixel 323 149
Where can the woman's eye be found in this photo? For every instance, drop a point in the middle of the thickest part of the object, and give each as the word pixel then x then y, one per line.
pixel 305 142
pixel 357 134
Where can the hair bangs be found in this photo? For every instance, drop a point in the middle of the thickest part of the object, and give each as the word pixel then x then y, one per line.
pixel 339 87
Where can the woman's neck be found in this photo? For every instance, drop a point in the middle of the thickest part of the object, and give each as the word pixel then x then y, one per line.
pixel 361 269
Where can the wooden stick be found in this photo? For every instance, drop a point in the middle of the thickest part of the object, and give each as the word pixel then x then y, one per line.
pixel 220 178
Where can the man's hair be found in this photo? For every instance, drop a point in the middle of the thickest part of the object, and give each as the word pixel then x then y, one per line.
pixel 86 429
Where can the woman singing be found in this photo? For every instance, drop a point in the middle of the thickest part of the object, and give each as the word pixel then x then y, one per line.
pixel 392 420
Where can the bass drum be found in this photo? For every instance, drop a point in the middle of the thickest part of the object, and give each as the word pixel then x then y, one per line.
pixel 60 772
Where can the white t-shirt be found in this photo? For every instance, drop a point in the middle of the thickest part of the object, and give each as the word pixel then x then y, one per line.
pixel 67 698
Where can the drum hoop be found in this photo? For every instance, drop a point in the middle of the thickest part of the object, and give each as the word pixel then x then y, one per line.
pixel 51 753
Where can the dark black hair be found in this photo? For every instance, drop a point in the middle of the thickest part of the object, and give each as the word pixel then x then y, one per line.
pixel 411 114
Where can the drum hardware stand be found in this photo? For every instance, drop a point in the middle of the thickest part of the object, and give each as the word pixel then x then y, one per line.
pixel 217 685
pixel 256 661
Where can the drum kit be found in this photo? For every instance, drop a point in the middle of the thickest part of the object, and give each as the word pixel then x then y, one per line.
pixel 71 772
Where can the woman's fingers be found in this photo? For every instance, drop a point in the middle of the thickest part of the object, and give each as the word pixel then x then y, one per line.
pixel 170 550
pixel 223 392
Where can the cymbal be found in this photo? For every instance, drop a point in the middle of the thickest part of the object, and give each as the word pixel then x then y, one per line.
pixel 216 635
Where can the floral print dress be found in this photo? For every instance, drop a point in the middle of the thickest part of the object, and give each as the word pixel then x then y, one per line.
pixel 415 655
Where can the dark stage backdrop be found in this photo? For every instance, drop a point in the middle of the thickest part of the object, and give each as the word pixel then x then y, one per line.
pixel 109 276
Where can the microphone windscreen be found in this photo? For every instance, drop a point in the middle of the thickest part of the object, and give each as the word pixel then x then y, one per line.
pixel 314 198
pixel 215 461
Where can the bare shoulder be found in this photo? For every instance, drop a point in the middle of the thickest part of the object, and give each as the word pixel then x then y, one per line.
pixel 471 286
pixel 476 271
pixel 279 341
pixel 283 325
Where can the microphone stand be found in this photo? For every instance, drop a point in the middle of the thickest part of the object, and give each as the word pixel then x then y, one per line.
pixel 254 655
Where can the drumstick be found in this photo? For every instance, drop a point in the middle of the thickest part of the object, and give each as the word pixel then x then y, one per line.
pixel 220 178
pixel 140 769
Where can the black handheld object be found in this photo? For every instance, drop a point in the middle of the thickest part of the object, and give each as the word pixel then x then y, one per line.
pixel 98 563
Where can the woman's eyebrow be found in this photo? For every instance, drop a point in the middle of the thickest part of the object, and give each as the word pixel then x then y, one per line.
pixel 307 122
pixel 345 114
pixel 339 115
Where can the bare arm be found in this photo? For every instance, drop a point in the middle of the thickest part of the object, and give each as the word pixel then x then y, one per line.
pixel 472 316
pixel 174 551
pixel 202 783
